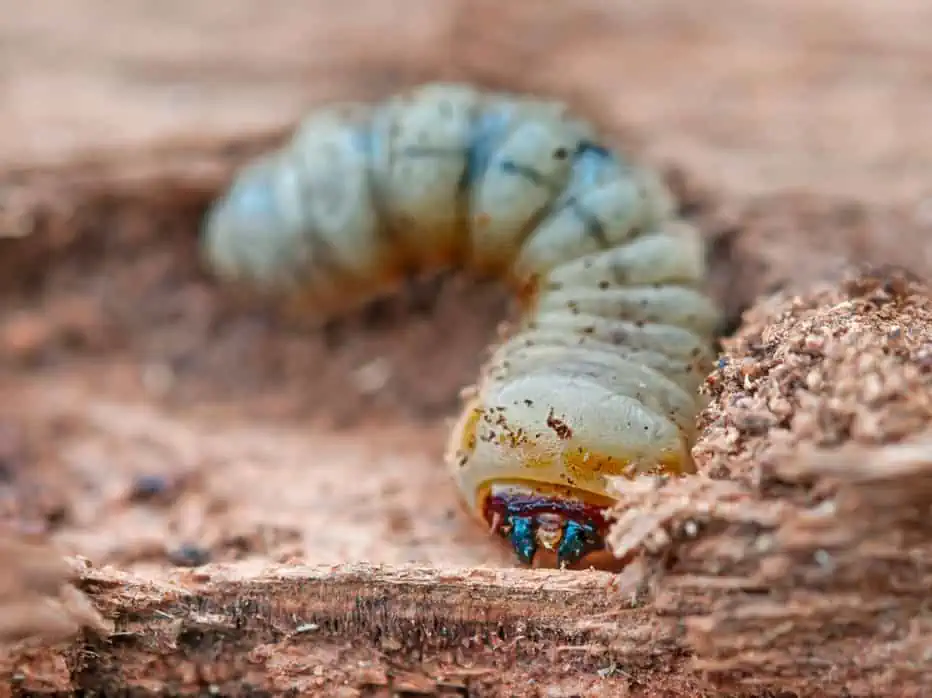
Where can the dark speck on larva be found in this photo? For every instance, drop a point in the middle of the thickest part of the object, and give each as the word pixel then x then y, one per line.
pixel 560 427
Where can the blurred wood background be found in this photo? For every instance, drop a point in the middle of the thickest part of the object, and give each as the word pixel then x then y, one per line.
pixel 829 95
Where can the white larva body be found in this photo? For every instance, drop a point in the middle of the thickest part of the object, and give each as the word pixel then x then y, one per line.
pixel 600 377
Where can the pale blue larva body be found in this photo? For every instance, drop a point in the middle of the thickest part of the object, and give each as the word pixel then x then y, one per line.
pixel 600 377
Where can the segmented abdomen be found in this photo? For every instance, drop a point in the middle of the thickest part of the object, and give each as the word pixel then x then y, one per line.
pixel 600 375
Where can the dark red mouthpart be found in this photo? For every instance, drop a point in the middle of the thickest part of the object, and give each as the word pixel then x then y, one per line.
pixel 526 518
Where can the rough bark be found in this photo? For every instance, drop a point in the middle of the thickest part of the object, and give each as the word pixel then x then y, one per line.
pixel 367 627
pixel 802 557
pixel 799 560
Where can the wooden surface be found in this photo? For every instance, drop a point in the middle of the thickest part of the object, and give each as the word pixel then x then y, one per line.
pixel 798 134
pixel 825 95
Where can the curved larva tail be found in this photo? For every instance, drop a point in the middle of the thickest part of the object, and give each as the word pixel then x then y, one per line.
pixel 238 228
pixel 303 219
pixel 601 376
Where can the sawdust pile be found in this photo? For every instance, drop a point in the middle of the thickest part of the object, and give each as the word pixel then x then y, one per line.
pixel 805 548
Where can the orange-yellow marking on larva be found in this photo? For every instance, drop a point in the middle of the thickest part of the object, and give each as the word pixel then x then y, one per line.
pixel 470 427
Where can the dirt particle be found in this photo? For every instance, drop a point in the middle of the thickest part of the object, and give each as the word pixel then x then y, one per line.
pixel 561 428
pixel 189 555
pixel 147 488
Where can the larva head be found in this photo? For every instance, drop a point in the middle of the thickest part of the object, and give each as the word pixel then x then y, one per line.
pixel 548 525
pixel 534 448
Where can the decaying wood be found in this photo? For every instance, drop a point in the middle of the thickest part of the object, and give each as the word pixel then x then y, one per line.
pixel 800 560
pixel 786 565
pixel 820 599
pixel 375 625
pixel 821 596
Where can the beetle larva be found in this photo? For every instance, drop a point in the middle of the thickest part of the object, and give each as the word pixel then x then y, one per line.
pixel 600 377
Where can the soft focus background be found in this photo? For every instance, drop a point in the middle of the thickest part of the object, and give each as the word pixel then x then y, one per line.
pixel 753 96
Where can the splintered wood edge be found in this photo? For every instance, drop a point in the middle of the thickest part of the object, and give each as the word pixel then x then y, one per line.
pixel 402 616
pixel 357 600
